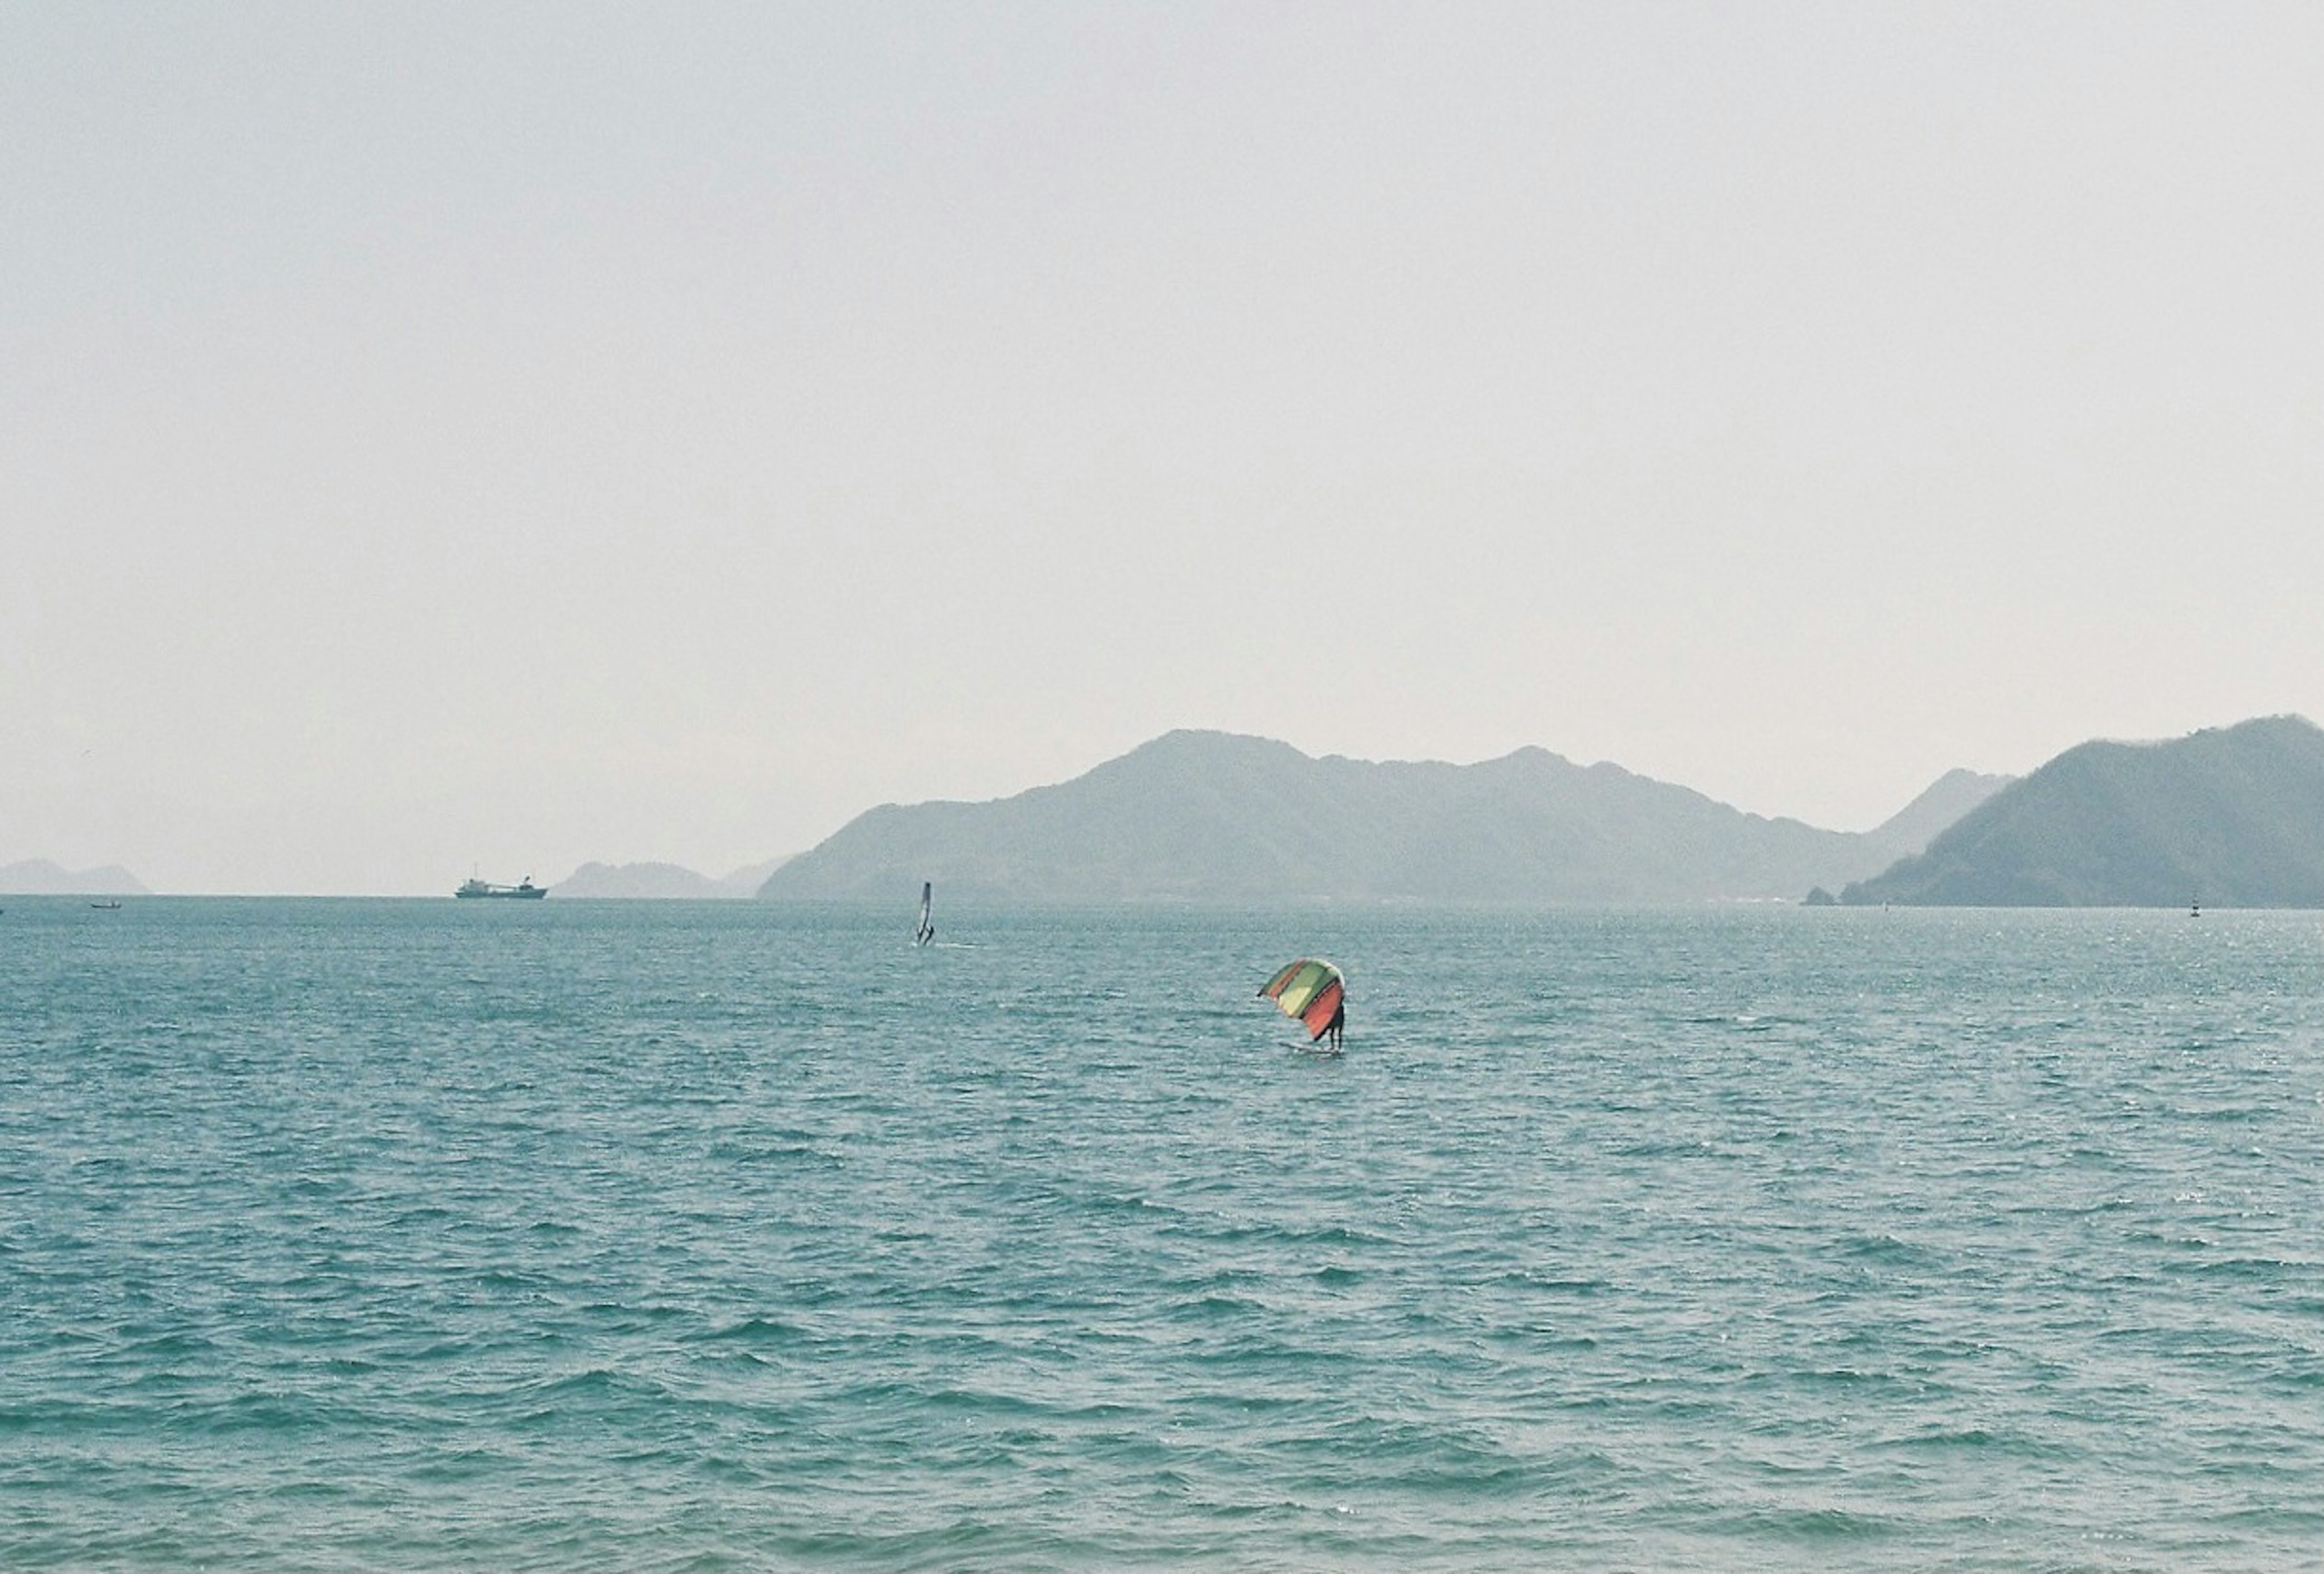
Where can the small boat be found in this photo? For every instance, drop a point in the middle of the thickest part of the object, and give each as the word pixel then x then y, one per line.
pixel 925 930
pixel 106 906
pixel 524 888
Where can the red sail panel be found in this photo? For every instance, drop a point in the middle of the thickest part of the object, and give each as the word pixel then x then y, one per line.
pixel 1323 1008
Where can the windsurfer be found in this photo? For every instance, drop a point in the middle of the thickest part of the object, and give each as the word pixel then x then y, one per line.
pixel 1312 994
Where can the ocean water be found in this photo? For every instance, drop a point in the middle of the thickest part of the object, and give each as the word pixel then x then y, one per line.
pixel 424 1234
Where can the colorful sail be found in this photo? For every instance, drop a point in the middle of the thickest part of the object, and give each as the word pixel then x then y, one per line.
pixel 1308 992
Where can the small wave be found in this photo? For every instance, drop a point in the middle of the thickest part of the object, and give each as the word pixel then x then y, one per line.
pixel 1816 1526
pixel 1522 1280
pixel 758 1332
pixel 1217 1308
pixel 1885 1248
pixel 1980 1440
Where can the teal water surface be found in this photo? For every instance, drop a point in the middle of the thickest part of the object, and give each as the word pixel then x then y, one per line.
pixel 420 1236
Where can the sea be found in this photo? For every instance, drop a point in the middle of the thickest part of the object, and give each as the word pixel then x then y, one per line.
pixel 425 1235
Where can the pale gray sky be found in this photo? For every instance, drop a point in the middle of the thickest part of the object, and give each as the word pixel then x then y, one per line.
pixel 437 438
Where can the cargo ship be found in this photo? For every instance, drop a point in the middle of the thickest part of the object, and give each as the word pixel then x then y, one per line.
pixel 522 888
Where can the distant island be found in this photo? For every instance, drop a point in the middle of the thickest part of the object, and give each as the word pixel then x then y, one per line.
pixel 1216 817
pixel 38 877
pixel 2228 817
pixel 662 882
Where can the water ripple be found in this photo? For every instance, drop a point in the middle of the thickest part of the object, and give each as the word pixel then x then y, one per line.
pixel 399 1235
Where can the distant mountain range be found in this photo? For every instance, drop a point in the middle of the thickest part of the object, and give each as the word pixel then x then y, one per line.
pixel 661 882
pixel 1197 817
pixel 37 877
pixel 2229 817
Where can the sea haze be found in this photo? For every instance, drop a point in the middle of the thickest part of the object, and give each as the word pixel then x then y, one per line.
pixel 425 1235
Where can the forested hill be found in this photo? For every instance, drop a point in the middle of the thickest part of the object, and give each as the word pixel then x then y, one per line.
pixel 2232 816
pixel 1215 817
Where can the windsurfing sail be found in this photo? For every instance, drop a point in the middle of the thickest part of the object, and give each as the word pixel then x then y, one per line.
pixel 1308 992
pixel 925 930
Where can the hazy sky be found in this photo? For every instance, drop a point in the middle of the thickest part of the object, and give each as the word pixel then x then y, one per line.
pixel 452 437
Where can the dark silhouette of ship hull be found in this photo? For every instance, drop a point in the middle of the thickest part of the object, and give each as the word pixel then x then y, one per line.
pixel 523 890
